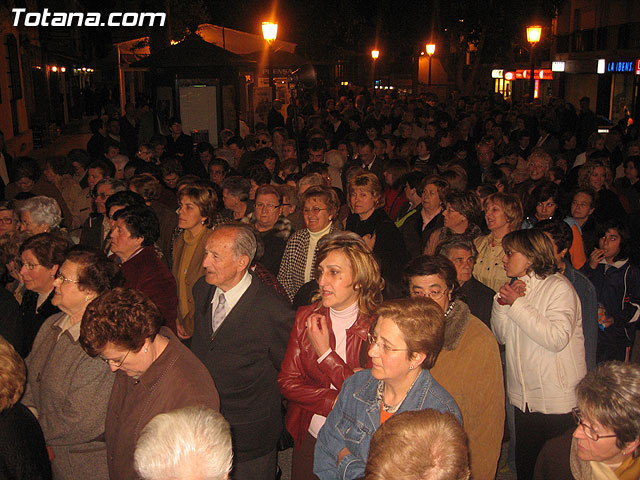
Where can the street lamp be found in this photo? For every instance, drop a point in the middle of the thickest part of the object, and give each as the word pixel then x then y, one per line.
pixel 374 56
pixel 533 36
pixel 269 33
pixel 430 49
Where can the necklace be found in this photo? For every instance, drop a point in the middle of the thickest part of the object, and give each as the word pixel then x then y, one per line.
pixel 380 397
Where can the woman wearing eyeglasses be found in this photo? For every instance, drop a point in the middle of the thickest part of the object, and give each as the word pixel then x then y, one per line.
pixel 537 316
pixel 40 257
pixel 328 341
pixel 154 372
pixel 406 340
pixel 320 206
pixel 66 389
pixel 469 365
pixel 8 217
pixel 605 444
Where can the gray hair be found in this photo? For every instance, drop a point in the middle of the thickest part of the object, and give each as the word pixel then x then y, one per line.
pixel 245 242
pixel 193 442
pixel 43 210
pixel 116 185
pixel 462 242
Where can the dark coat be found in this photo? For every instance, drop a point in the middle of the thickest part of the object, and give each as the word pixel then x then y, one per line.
pixel 11 325
pixel 389 248
pixel 23 454
pixel 479 299
pixel 91 234
pixel 414 237
pixel 33 318
pixel 181 148
pixel 147 273
pixel 244 359
pixel 176 379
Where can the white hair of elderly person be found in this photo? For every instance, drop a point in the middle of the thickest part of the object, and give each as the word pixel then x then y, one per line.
pixel 192 443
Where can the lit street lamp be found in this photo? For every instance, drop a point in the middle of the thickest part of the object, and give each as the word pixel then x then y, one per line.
pixel 533 36
pixel 374 56
pixel 430 49
pixel 269 33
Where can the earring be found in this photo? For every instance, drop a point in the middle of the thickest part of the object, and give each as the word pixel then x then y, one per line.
pixel 146 350
pixel 410 367
pixel 86 299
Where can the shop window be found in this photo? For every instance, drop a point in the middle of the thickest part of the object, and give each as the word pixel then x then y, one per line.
pixel 562 44
pixel 14 68
pixel 623 35
pixel 587 40
pixel 602 36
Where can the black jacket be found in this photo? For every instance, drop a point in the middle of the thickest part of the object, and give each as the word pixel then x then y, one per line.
pixel 244 359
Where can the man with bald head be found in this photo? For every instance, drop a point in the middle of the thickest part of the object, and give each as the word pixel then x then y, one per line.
pixel 240 334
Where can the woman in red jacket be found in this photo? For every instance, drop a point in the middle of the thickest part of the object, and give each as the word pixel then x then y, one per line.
pixel 328 342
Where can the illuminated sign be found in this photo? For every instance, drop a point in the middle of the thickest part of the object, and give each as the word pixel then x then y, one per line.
pixel 542 74
pixel 638 67
pixel 601 65
pixel 557 66
pixel 509 75
pixel 497 73
pixel 620 67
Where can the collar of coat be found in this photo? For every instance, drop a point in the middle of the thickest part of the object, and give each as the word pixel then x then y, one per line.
pixel 455 324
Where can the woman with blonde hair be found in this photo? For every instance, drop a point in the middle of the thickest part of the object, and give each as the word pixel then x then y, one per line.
pixel 369 220
pixel 23 454
pixel 328 340
pixel 320 207
pixel 597 176
pixel 537 316
pixel 503 214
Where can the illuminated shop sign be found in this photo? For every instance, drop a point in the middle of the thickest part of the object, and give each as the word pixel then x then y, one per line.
pixel 620 67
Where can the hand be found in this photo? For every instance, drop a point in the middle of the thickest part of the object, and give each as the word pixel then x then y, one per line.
pixel 318 333
pixel 182 333
pixel 343 453
pixel 369 240
pixel 510 293
pixel 596 256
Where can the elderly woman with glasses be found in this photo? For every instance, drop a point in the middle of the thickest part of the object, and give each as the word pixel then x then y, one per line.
pixel 154 372
pixel 469 365
pixel 40 257
pixel 320 207
pixel 406 340
pixel 66 389
pixel 605 444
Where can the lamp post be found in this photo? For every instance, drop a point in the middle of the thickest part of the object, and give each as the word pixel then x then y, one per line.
pixel 374 56
pixel 430 49
pixel 533 36
pixel 269 33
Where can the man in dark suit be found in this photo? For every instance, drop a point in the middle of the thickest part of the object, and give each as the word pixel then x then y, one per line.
pixel 240 334
pixel 369 160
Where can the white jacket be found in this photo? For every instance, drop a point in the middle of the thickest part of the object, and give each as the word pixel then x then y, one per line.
pixel 542 332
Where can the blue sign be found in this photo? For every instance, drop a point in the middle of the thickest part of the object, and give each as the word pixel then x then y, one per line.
pixel 620 67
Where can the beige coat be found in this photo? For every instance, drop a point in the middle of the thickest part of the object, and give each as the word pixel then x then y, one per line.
pixel 469 368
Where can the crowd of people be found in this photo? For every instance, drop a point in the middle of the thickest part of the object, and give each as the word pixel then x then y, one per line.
pixel 389 286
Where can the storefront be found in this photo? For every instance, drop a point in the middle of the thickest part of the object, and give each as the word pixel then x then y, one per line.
pixel 517 83
pixel 618 83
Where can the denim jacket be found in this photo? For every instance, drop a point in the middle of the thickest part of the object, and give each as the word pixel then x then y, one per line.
pixel 356 417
